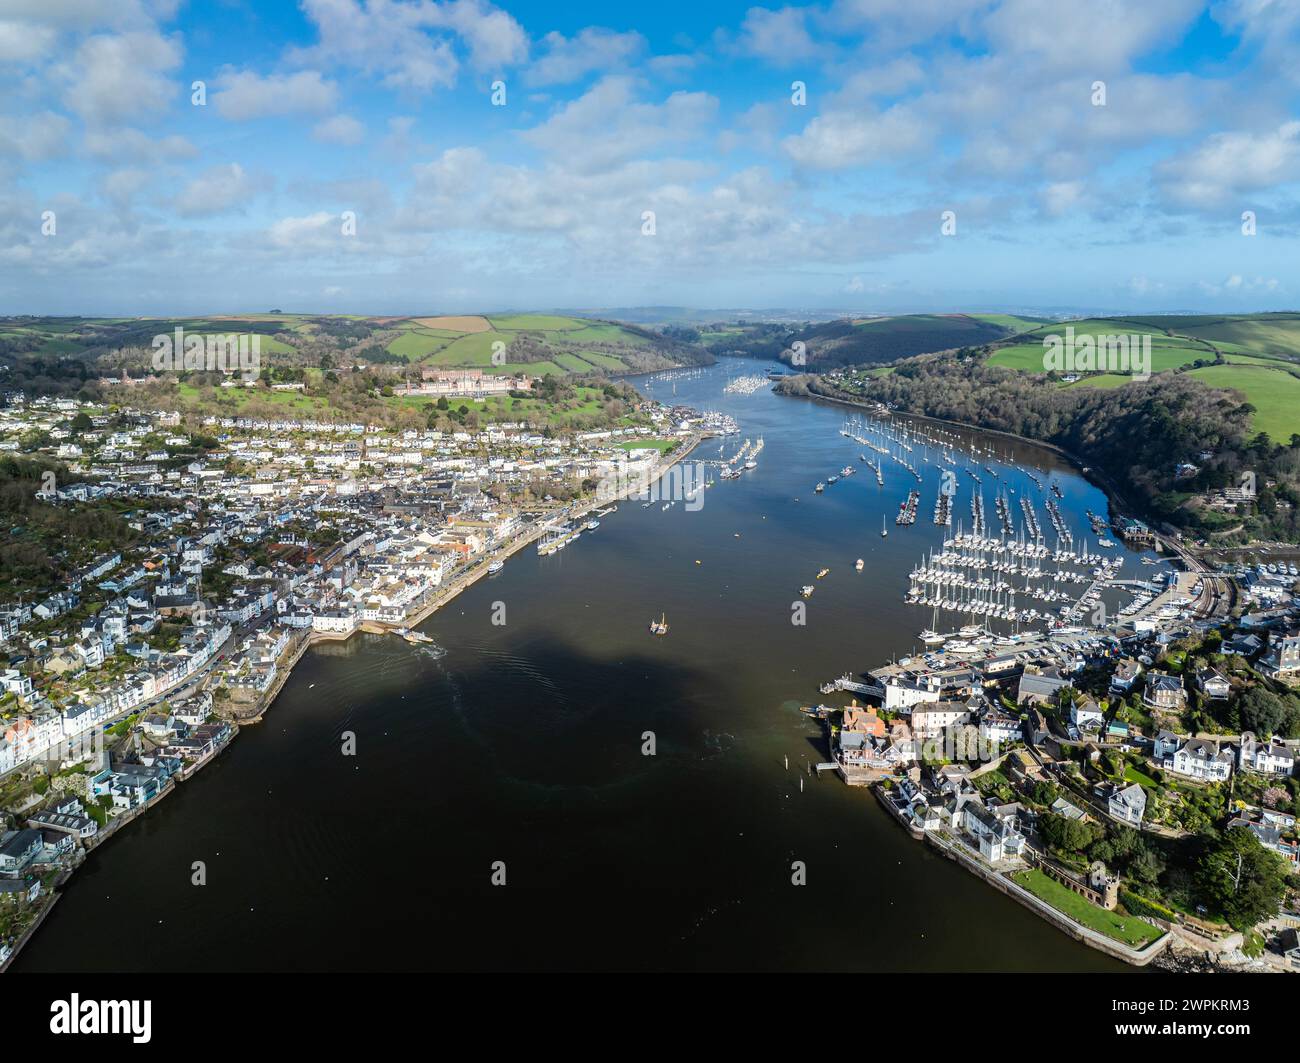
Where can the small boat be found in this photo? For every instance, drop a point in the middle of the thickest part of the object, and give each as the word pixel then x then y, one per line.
pixel 832 479
pixel 930 638
pixel 807 590
pixel 820 488
pixel 883 530
pixel 592 525
pixel 822 573
pixel 660 626
pixel 859 564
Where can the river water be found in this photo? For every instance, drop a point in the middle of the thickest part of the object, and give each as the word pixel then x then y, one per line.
pixel 522 743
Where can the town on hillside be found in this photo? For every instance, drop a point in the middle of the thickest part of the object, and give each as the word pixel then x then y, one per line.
pixel 168 576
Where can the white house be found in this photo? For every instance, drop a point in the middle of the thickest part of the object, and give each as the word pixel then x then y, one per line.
pixel 1268 758
pixel 1199 759
pixel 1128 805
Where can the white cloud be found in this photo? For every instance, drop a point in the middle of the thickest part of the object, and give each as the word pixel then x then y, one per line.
pixel 341 129
pixel 411 45
pixel 568 59
pixel 842 139
pixel 112 144
pixel 215 191
pixel 243 95
pixel 311 232
pixel 22 41
pixel 1226 169
pixel 607 124
pixel 780 37
pixel 896 23
pixel 34 137
pixel 1062 197
pixel 116 78
pixel 1094 38
pixel 120 187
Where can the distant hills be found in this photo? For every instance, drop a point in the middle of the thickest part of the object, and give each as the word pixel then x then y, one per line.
pixel 864 341
pixel 538 344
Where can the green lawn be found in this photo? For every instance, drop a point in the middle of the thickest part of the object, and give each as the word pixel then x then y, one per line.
pixel 241 396
pixel 1133 774
pixel 1125 928
pixel 1274 393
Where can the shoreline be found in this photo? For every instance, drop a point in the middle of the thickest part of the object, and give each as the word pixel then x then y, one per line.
pixel 263 704
pixel 1100 481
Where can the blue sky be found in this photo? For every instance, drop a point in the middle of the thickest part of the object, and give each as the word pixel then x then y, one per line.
pixel 382 111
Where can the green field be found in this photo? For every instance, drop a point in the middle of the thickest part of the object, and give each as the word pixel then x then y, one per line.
pixel 416 344
pixel 1275 394
pixel 537 323
pixel 1124 928
pixel 1164 355
pixel 1269 334
pixel 572 342
pixel 1011 321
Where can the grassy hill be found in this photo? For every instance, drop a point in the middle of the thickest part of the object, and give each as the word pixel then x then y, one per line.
pixel 537 344
pixel 1257 355
pixel 864 341
pixel 42 351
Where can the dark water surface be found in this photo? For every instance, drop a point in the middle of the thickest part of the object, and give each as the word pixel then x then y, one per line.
pixel 522 744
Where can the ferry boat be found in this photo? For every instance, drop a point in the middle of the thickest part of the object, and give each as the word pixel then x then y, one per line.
pixel 495 567
pixel 660 626
pixel 807 590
